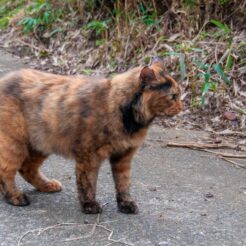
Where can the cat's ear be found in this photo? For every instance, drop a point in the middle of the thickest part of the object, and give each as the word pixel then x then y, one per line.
pixel 147 75
pixel 156 60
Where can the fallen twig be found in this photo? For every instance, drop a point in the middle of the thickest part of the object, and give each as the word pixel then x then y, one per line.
pixel 98 224
pixel 223 157
pixel 229 133
pixel 90 234
pixel 33 46
pixel 233 162
pixel 42 230
pixel 156 140
pixel 201 145
pixel 226 155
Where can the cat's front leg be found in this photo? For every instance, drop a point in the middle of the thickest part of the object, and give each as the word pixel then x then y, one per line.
pixel 121 168
pixel 86 176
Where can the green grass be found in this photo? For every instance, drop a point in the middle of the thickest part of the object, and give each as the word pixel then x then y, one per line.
pixel 9 9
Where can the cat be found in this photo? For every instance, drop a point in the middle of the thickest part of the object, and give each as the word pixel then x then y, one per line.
pixel 82 118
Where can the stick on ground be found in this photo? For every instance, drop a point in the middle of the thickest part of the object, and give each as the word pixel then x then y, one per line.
pixel 97 224
pixel 203 147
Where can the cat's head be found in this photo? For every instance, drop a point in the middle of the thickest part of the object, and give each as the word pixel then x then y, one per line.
pixel 160 92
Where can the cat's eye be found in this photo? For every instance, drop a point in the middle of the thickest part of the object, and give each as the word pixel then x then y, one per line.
pixel 162 87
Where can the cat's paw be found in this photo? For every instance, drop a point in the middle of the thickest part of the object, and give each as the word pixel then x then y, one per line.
pixel 91 207
pixel 128 207
pixel 19 199
pixel 51 186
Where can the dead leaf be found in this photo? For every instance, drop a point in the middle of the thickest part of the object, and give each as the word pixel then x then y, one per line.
pixel 230 115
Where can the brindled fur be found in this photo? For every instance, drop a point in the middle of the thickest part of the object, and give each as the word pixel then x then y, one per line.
pixel 83 118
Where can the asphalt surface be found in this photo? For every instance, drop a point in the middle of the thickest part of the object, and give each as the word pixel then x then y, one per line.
pixel 185 197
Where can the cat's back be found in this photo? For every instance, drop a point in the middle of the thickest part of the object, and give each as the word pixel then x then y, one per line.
pixel 35 91
pixel 29 86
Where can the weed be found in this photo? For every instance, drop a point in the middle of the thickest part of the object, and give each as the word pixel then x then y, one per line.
pixel 99 27
pixel 100 42
pixel 87 71
pixel 205 73
pixel 182 65
pixel 147 17
pixel 4 22
pixel 40 15
pixel 223 32
pixel 7 10
pixel 203 35
pixel 194 102
pixel 220 71
pixel 223 2
pixel 190 3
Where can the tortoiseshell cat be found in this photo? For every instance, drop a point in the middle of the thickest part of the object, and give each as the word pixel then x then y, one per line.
pixel 84 118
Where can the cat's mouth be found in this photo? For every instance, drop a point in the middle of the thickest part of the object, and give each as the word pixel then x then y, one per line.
pixel 168 115
pixel 172 111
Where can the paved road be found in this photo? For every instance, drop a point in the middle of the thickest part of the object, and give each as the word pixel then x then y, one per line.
pixel 185 197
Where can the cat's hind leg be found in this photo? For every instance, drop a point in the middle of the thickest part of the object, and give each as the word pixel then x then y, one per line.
pixel 30 171
pixel 12 154
pixel 10 192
